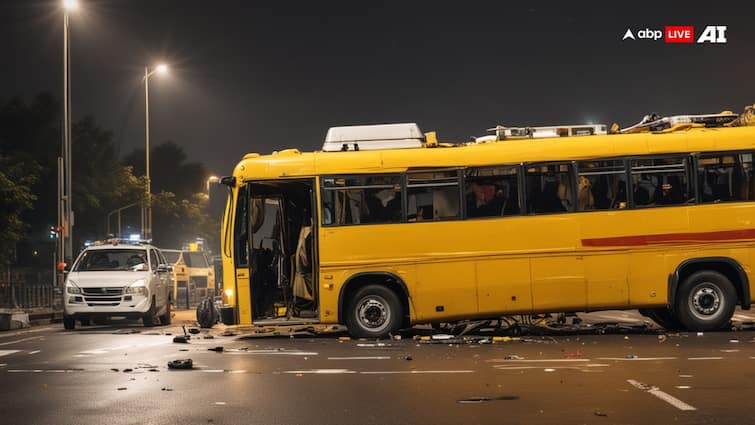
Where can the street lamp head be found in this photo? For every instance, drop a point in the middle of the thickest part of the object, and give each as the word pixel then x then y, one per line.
pixel 161 68
pixel 70 4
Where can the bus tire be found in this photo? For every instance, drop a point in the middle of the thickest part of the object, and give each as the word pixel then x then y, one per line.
pixel 374 312
pixel 663 317
pixel 705 301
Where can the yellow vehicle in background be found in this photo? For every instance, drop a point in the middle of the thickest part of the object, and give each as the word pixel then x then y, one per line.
pixel 386 227
pixel 194 276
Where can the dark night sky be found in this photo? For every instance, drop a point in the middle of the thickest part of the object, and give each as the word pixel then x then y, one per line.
pixel 259 76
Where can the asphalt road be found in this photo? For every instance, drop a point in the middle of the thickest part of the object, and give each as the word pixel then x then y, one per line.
pixel 117 374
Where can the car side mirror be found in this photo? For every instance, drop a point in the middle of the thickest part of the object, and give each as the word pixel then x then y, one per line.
pixel 164 268
pixel 139 267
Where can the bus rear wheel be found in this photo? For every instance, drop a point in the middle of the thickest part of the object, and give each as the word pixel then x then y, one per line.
pixel 374 312
pixel 705 301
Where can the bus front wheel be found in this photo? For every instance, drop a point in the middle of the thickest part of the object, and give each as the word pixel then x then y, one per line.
pixel 705 301
pixel 374 312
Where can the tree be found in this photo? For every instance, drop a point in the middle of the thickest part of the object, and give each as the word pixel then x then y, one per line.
pixel 169 170
pixel 16 197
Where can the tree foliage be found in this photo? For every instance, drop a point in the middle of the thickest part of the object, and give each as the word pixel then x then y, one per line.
pixel 30 144
pixel 16 197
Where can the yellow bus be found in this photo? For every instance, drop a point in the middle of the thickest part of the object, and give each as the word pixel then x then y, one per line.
pixel 385 227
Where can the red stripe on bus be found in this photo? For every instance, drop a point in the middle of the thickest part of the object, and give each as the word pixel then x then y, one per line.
pixel 639 240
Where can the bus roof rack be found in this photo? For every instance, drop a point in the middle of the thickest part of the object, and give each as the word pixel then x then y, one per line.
pixel 508 133
pixel 373 137
pixel 654 122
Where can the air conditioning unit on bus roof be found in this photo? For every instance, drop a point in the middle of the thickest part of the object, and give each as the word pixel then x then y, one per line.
pixel 373 137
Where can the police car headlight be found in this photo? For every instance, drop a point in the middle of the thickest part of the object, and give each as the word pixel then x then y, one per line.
pixel 137 288
pixel 71 288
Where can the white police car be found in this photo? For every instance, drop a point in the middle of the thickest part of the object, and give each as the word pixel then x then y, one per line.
pixel 118 278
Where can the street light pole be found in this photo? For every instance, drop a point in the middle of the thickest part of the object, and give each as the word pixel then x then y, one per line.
pixel 147 210
pixel 66 222
pixel 147 226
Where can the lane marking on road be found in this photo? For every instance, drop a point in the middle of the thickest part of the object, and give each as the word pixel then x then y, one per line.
pixel 8 352
pixel 637 358
pixel 34 352
pixel 412 372
pixel 236 371
pixel 668 398
pixel 44 370
pixel 705 358
pixel 361 358
pixel 3 364
pixel 212 370
pixel 729 351
pixel 320 371
pixel 537 360
pixel 21 340
pixel 273 352
pixel 91 352
pixel 550 369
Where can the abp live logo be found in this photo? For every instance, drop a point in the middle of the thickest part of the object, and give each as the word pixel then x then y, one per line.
pixel 681 34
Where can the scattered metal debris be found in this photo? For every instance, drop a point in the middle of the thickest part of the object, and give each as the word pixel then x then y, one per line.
pixel 194 331
pixel 114 369
pixel 181 364
pixel 600 413
pixel 166 389
pixel 122 388
pixel 218 349
pixel 181 339
pixel 127 370
pixel 475 400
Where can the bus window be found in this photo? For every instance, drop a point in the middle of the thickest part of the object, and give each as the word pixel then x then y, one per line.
pixel 725 177
pixel 661 181
pixel 549 188
pixel 602 185
pixel 361 199
pixel 492 191
pixel 433 195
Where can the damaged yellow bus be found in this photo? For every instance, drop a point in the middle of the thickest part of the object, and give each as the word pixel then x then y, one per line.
pixel 385 227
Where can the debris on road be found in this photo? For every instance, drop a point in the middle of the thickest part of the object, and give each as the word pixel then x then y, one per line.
pixel 218 349
pixel 408 358
pixel 127 370
pixel 122 389
pixel 166 389
pixel 114 369
pixel 600 413
pixel 474 400
pixel 181 364
pixel 662 338
pixel 193 331
pixel 513 357
pixel 181 339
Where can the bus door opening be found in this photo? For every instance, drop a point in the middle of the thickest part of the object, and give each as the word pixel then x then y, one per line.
pixel 282 254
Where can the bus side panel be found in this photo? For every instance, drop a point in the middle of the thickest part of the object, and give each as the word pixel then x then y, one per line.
pixel 558 283
pixel 648 279
pixel 607 283
pixel 504 287
pixel 445 290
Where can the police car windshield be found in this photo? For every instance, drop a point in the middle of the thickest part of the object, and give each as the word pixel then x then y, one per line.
pixel 97 260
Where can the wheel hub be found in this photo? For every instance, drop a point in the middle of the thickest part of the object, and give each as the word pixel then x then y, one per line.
pixel 706 300
pixel 373 314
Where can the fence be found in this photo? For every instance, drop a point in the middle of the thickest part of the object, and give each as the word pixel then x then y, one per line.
pixel 29 288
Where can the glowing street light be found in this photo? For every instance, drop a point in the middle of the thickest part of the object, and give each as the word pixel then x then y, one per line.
pixel 70 4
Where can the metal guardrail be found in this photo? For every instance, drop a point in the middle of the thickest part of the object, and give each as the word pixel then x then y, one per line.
pixel 17 295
